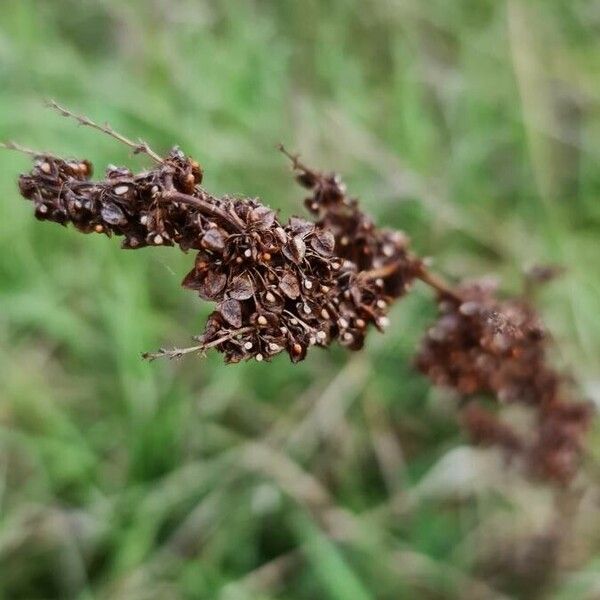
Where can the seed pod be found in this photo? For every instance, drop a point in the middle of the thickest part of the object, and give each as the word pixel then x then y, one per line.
pixel 231 311
pixel 289 285
pixel 240 288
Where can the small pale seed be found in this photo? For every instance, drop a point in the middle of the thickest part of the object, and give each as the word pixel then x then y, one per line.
pixel 121 190
pixel 383 322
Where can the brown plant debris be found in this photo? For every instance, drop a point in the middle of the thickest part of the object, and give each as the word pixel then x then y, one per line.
pixel 289 285
pixel 278 286
pixel 483 346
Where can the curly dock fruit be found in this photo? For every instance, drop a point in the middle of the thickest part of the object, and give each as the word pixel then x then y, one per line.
pixel 483 346
pixel 278 286
pixel 284 286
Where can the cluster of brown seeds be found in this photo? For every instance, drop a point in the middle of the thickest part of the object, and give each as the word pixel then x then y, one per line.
pixel 278 286
pixel 286 286
pixel 483 346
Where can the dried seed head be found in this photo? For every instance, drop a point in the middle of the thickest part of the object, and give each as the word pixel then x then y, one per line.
pixel 482 345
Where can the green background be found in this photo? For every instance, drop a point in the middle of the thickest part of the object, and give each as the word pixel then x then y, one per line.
pixel 471 124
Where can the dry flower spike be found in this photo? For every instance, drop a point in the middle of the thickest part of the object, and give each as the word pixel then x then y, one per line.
pixel 286 286
pixel 481 346
pixel 278 286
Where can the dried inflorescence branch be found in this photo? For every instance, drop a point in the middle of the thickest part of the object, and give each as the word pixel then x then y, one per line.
pixel 485 347
pixel 278 286
pixel 286 286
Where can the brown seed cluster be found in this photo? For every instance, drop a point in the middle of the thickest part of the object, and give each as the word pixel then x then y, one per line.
pixel 483 346
pixel 278 286
pixel 286 286
pixel 380 267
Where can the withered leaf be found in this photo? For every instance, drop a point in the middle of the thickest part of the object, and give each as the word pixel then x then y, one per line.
pixel 281 234
pixel 191 281
pixel 289 285
pixel 214 283
pixel 295 249
pixel 323 242
pixel 112 214
pixel 301 226
pixel 214 239
pixel 262 217
pixel 231 311
pixel 241 288
pixel 209 287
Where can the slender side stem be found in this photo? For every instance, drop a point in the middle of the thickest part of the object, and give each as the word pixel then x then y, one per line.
pixel 295 159
pixel 382 272
pixel 10 145
pixel 206 208
pixel 178 352
pixel 138 147
pixel 439 284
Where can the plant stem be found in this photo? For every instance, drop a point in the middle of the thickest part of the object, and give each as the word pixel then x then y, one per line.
pixel 178 352
pixel 438 283
pixel 10 145
pixel 433 280
pixel 139 146
pixel 206 208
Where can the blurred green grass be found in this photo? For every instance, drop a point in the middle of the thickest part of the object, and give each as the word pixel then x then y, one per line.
pixel 473 125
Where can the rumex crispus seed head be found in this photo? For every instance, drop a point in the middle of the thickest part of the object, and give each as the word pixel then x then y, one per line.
pixel 484 346
pixel 284 286
pixel 277 286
